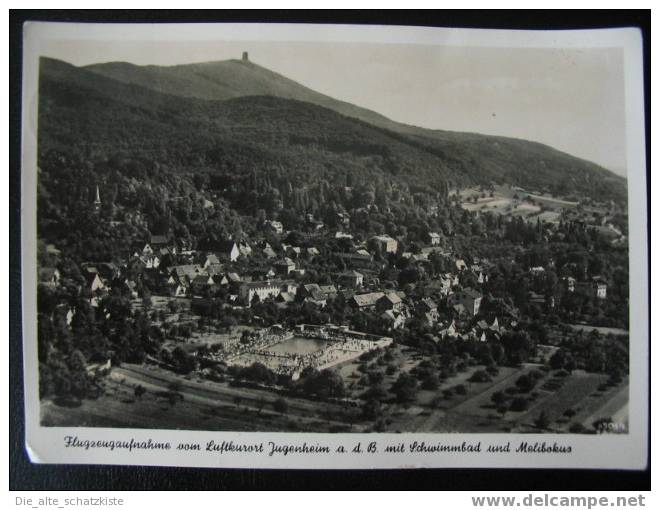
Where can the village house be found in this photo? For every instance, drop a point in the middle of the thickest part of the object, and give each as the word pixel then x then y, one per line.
pixel 151 261
pixel 94 282
pixel 299 271
pixel 393 319
pixel 366 301
pixel 385 243
pixel 49 276
pixel 275 226
pixel 285 298
pixel 289 286
pixel 136 265
pixel 268 252
pixel 428 250
pixel 202 283
pixel 569 283
pixel 132 288
pixel 599 287
pixel 228 250
pixel 343 218
pixel 211 259
pixel 307 289
pixel 330 291
pixel 234 278
pixel 178 290
pixel 159 241
pixel 429 310
pixel 390 301
pixel 468 298
pixel 69 316
pixel 356 260
pixel 461 265
pixel 434 238
pixel 244 249
pixel 343 235
pixel 313 223
pixel 351 279
pixel 596 288
pixel 108 270
pixel 156 243
pixel 215 269
pixel 540 300
pixel 221 279
pixel 292 251
pixel 165 252
pixel 315 296
pixel 448 330
pixel 186 273
pixel 312 252
pixel 284 267
pixel 267 273
pixel 443 284
pixel 537 271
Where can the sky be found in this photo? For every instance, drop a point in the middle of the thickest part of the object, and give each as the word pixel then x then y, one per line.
pixel 571 99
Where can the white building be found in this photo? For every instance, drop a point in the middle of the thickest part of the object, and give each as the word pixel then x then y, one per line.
pixel 264 290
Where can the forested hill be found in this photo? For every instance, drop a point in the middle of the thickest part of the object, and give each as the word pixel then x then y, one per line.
pixel 94 118
pixel 525 163
pixel 84 112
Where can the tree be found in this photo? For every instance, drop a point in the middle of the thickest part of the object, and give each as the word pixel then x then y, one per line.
pixel 405 388
pixel 371 409
pixel 525 383
pixel 281 406
pixel 324 384
pixel 139 391
pixel 519 404
pixel 542 421
pixel 261 403
pixel 577 428
pixel 480 376
pixel 498 398
pixel 518 346
pixel 431 382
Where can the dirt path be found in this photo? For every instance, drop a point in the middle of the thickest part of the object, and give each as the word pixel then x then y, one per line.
pixel 435 421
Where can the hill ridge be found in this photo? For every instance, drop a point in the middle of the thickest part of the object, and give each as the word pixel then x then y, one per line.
pixel 466 158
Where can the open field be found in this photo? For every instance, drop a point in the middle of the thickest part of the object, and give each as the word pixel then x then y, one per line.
pixel 510 201
pixel 202 405
pixel 601 330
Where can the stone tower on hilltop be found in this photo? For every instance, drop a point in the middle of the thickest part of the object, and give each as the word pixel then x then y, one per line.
pixel 97 199
pixel 245 56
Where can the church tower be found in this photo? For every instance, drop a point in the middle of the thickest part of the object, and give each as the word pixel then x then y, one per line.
pixel 97 200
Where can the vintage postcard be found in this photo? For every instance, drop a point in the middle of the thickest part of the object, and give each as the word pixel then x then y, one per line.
pixel 323 246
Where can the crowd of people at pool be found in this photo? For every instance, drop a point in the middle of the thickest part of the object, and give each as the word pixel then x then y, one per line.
pixel 341 345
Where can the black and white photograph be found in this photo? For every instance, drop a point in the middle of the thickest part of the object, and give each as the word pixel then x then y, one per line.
pixel 318 235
